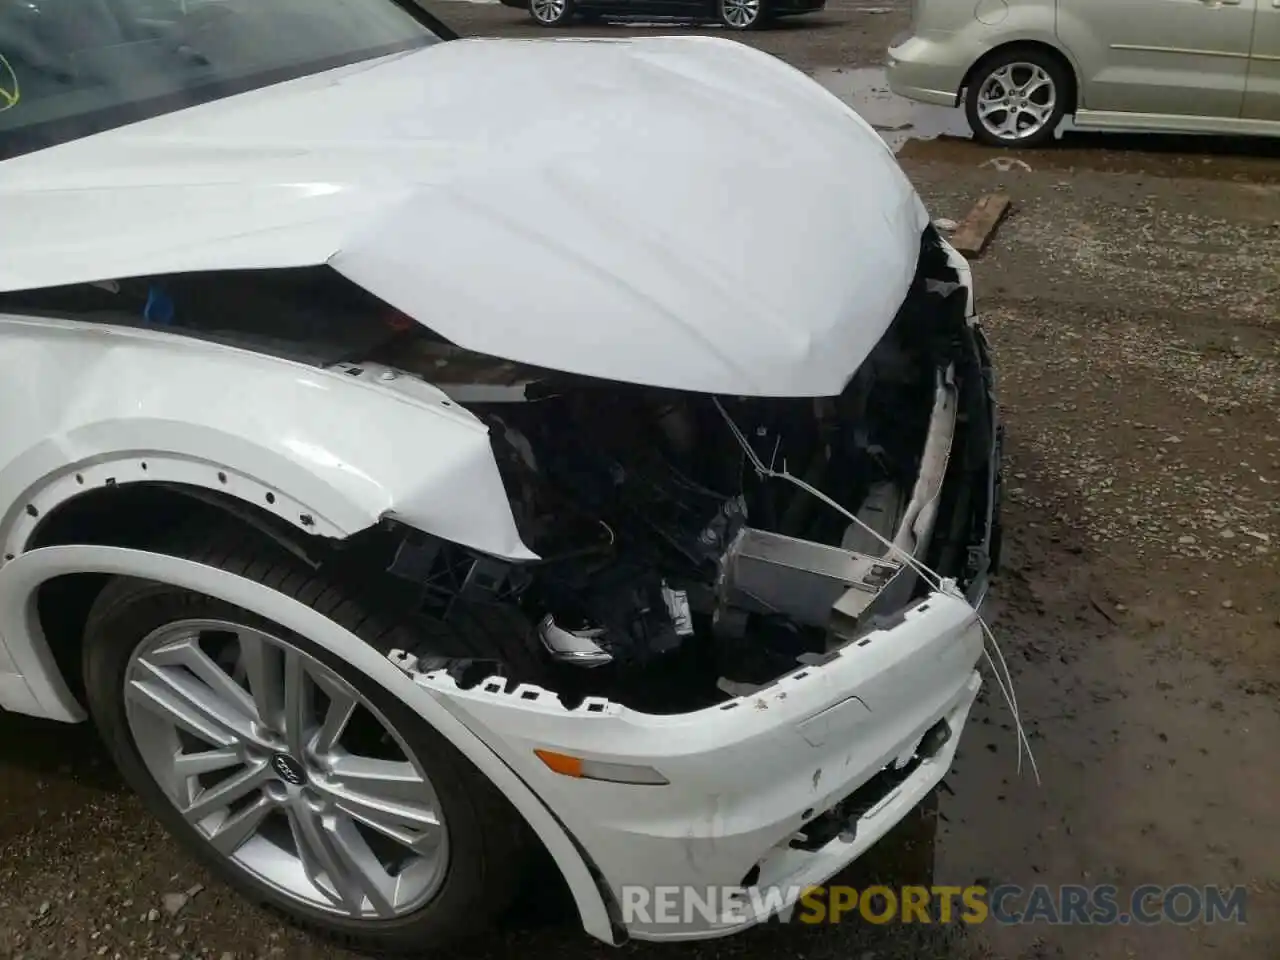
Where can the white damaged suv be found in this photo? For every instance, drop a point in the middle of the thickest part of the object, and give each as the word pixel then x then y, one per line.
pixel 407 470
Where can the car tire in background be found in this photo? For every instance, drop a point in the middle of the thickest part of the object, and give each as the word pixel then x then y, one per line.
pixel 551 13
pixel 293 776
pixel 1017 96
pixel 741 14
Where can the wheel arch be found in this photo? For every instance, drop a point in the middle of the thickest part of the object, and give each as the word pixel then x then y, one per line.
pixel 295 497
pixel 118 493
pixel 1028 43
pixel 128 515
pixel 52 562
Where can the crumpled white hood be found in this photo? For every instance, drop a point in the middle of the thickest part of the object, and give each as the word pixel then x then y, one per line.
pixel 677 212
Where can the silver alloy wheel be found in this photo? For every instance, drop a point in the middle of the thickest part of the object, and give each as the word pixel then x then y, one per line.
pixel 740 13
pixel 1016 101
pixel 548 11
pixel 286 769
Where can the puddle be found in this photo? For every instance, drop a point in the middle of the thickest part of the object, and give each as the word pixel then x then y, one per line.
pixel 921 131
pixel 895 118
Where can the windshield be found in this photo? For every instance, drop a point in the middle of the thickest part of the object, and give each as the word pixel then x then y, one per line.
pixel 70 68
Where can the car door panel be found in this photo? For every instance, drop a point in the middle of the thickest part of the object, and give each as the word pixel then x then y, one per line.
pixel 1181 57
pixel 1262 90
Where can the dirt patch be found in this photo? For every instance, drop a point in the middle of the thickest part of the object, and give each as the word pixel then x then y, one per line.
pixel 1139 352
pixel 1136 343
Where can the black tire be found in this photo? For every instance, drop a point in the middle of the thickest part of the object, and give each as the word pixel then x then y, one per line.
pixel 488 840
pixel 726 18
pixel 561 19
pixel 1063 87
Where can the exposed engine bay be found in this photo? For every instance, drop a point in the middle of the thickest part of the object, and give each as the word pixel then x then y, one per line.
pixel 672 573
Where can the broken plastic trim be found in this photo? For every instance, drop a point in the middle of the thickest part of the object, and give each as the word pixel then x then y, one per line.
pixel 842 819
pixel 916 528
pixel 918 522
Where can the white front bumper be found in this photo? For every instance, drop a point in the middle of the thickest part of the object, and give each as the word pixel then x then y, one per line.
pixel 745 775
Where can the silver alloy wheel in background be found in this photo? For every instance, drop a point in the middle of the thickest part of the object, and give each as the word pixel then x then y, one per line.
pixel 547 11
pixel 286 769
pixel 1016 101
pixel 740 13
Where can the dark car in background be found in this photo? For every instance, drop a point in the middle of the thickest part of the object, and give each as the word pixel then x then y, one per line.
pixel 734 14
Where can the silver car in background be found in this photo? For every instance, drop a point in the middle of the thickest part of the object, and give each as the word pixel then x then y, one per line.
pixel 1020 66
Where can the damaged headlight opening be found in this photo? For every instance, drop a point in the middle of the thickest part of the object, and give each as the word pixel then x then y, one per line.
pixel 673 575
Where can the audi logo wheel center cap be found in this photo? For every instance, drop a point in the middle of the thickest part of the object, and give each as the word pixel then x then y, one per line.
pixel 288 769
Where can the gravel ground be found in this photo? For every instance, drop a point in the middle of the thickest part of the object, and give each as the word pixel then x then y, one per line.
pixel 1135 331
pixel 1131 298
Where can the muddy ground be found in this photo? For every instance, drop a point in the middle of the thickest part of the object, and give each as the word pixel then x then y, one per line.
pixel 1132 301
